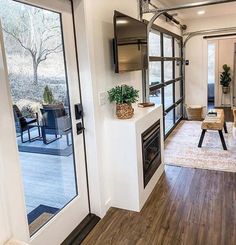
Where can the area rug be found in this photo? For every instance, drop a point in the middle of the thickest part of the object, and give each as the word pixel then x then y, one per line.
pixel 181 148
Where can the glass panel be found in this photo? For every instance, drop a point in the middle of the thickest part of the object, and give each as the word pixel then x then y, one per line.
pixel 177 69
pixel 168 96
pixel 154 73
pixel 169 121
pixel 211 75
pixel 177 48
pixel 167 41
pixel 168 70
pixel 35 55
pixel 178 112
pixel 211 63
pixel 177 91
pixel 154 44
pixel 155 96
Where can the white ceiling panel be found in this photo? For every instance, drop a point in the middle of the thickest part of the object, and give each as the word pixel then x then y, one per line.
pixel 210 11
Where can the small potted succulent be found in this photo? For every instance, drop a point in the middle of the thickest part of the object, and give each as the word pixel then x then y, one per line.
pixel 123 96
pixel 225 79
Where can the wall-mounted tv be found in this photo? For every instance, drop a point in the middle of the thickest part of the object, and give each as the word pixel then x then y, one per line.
pixel 130 43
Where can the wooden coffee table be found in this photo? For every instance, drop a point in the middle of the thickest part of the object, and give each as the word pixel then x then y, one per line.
pixel 214 123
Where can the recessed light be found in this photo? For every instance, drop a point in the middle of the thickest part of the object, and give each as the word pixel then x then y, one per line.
pixel 201 12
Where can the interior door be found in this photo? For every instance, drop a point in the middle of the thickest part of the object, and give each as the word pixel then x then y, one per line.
pixel 43 84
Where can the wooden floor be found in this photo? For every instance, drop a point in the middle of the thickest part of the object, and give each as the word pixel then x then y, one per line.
pixel 188 206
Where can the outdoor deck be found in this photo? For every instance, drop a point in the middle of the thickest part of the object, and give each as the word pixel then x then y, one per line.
pixel 48 180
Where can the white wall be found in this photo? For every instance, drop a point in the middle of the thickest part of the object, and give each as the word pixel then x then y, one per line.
pixel 95 33
pixel 12 213
pixel 5 232
pixel 196 52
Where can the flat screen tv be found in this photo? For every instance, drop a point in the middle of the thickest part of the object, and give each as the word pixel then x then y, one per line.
pixel 130 43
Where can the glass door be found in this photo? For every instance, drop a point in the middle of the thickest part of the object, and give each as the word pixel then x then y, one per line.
pixel 211 75
pixel 44 87
pixel 165 75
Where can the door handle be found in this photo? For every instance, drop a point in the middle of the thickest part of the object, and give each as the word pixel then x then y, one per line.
pixel 78 111
pixel 79 128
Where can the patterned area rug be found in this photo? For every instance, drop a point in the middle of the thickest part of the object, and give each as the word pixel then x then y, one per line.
pixel 181 148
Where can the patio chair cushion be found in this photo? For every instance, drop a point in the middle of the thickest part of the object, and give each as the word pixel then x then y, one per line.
pixel 20 121
pixel 17 111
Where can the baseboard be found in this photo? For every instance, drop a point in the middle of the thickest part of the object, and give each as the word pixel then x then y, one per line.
pixel 82 230
pixel 107 206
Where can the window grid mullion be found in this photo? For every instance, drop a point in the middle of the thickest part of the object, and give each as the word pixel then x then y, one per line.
pixel 162 80
pixel 173 74
pixel 163 84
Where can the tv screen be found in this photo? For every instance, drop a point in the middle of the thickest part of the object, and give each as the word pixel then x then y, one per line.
pixel 130 43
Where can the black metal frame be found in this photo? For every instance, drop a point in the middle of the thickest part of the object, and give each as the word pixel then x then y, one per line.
pixel 221 137
pixel 150 133
pixel 173 81
pixel 82 230
pixel 29 135
pixel 221 35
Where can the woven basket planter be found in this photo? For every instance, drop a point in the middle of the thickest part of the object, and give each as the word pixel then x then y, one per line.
pixel 124 111
pixel 195 112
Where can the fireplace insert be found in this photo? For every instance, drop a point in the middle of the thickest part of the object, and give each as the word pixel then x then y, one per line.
pixel 151 147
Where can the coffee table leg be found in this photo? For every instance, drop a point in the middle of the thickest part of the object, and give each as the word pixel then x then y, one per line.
pixel 202 138
pixel 222 140
pixel 225 128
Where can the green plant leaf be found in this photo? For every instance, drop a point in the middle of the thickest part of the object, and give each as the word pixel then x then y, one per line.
pixel 225 77
pixel 123 94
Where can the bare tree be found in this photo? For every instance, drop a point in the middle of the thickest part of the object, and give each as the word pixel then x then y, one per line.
pixel 38 33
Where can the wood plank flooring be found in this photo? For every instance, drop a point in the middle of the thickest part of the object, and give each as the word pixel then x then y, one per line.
pixel 188 206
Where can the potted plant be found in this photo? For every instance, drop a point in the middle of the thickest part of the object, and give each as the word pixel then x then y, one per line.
pixel 123 96
pixel 225 79
pixel 48 97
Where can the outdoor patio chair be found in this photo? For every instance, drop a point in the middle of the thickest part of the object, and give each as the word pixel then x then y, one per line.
pixel 24 124
pixel 55 122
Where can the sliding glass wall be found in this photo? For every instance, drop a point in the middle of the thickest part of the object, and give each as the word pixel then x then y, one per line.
pixel 165 75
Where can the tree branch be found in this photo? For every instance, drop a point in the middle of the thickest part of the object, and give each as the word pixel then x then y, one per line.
pixel 43 56
pixel 18 40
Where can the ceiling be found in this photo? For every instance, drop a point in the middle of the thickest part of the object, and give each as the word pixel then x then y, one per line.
pixel 210 11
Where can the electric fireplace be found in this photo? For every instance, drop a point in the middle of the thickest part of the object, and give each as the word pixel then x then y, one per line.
pixel 151 147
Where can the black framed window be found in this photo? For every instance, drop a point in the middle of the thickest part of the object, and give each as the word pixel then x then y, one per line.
pixel 165 85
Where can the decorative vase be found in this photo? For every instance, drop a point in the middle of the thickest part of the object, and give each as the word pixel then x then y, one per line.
pixel 225 89
pixel 124 111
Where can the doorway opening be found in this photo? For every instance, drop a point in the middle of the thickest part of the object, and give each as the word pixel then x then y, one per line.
pixel 211 75
pixel 35 52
